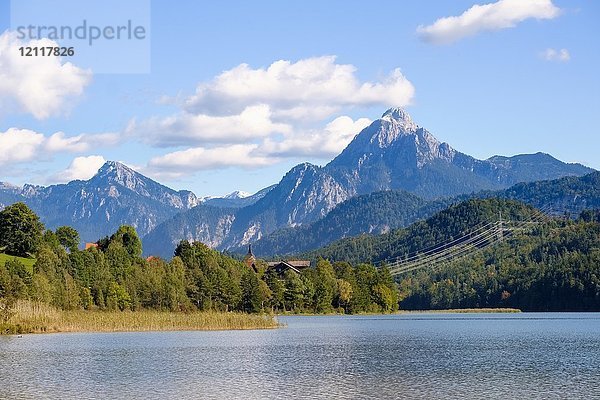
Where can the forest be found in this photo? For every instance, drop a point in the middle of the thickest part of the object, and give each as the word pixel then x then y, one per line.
pixel 557 268
pixel 47 266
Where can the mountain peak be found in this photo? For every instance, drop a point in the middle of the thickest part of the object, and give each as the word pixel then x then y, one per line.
pixel 116 172
pixel 238 194
pixel 397 113
pixel 399 117
pixel 115 167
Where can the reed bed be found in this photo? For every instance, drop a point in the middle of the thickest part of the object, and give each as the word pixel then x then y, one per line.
pixel 32 317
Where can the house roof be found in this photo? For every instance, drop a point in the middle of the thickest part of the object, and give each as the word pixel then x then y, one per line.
pixel 291 263
pixel 295 265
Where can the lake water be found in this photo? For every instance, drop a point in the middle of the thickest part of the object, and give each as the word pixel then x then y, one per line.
pixel 508 356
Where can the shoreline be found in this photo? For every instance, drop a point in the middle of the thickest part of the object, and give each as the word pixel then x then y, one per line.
pixel 37 318
pixel 464 311
pixel 402 312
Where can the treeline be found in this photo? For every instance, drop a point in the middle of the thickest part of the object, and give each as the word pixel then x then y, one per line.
pixel 326 288
pixel 112 275
pixel 552 264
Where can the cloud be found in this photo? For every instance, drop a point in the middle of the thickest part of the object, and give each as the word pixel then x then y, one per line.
pixel 325 143
pixel 80 168
pixel 23 145
pixel 247 104
pixel 561 55
pixel 189 129
pixel 19 145
pixel 310 88
pixel 58 142
pixel 486 17
pixel 185 162
pixel 41 86
pixel 254 117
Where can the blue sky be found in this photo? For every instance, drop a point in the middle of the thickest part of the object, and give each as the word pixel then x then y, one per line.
pixel 239 92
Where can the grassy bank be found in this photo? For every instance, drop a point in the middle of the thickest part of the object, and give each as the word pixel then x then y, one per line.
pixel 27 262
pixel 33 317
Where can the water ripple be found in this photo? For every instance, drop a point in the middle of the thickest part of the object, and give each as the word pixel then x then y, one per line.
pixel 540 356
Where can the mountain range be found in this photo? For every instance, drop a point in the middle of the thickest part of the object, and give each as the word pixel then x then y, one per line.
pixel 392 153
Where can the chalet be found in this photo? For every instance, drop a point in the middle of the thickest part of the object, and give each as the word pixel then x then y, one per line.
pixel 278 266
pixel 294 265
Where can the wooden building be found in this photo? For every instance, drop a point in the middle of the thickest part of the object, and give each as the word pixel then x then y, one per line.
pixel 280 267
pixel 294 265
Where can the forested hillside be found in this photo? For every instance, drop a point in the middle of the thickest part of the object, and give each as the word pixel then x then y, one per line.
pixel 569 195
pixel 455 221
pixel 553 267
pixel 541 263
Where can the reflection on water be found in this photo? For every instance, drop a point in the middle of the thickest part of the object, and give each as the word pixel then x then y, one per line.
pixel 404 356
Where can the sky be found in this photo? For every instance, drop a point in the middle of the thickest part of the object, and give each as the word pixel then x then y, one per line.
pixel 230 95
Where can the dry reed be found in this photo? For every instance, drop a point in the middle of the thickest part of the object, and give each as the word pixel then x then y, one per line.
pixel 33 317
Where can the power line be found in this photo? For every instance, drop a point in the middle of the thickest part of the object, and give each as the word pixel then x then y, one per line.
pixel 485 234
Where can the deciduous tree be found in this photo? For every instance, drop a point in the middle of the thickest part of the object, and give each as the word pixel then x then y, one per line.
pixel 20 230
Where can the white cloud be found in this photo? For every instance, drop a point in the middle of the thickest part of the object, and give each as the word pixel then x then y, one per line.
pixel 185 162
pixel 19 145
pixel 58 142
pixel 244 104
pixel 253 117
pixel 41 86
pixel 325 143
pixel 189 129
pixel 22 145
pixel 81 168
pixel 561 55
pixel 486 17
pixel 310 88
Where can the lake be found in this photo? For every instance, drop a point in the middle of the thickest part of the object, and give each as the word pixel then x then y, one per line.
pixel 532 356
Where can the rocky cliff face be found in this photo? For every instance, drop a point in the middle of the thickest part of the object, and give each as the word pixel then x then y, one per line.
pixel 208 224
